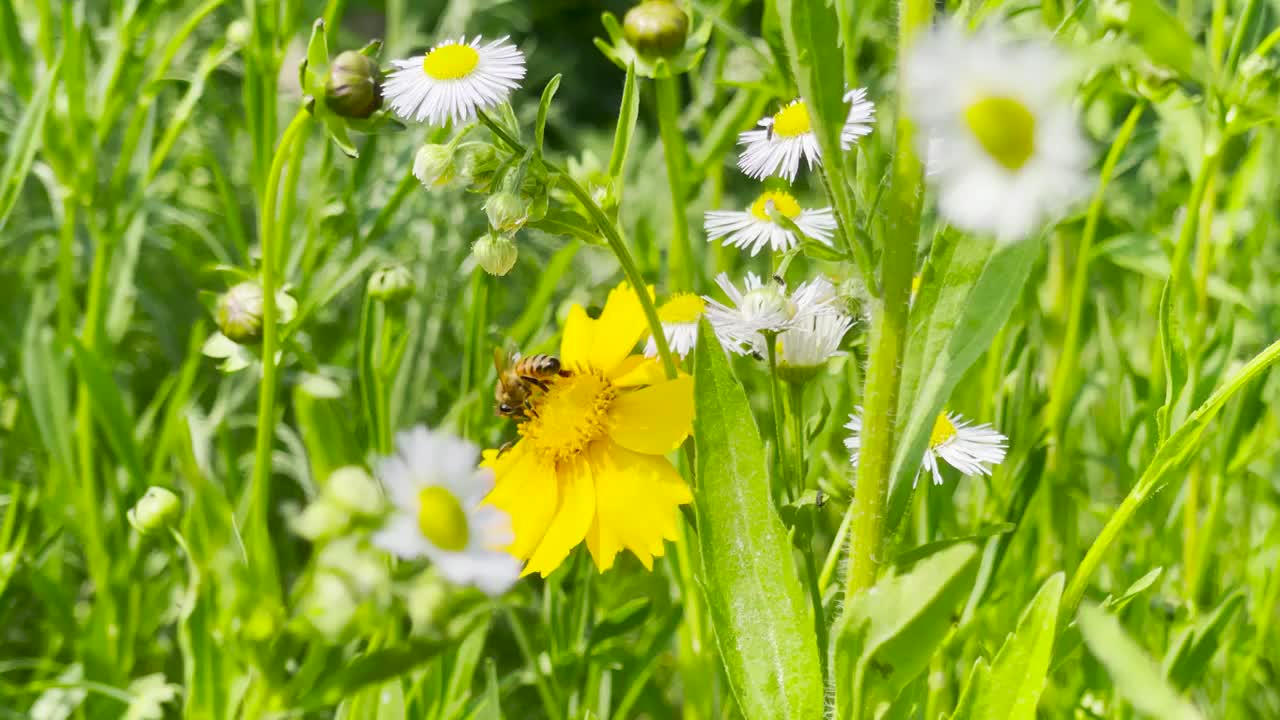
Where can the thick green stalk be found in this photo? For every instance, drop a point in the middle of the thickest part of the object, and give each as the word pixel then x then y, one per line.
pixel 680 253
pixel 889 332
pixel 256 522
pixel 1179 270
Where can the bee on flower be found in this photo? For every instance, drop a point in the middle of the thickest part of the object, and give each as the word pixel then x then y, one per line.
pixel 454 80
pixel 755 227
pixel 1003 147
pixel 679 317
pixel 436 490
pixel 971 449
pixel 590 463
pixel 764 309
pixel 782 139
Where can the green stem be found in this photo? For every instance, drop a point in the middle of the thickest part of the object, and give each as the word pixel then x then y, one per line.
pixel 889 333
pixel 613 236
pixel 256 521
pixel 1178 270
pixel 67 270
pixel 779 416
pixel 680 254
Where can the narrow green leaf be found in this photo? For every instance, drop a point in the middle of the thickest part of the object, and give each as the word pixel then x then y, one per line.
pixel 1011 687
pixel 544 107
pixel 887 634
pixel 1163 38
pixel 23 143
pixel 107 404
pixel 762 620
pixel 628 113
pixel 1190 656
pixel 1136 676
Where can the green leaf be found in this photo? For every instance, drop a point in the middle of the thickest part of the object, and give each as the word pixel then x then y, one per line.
pixel 380 666
pixel 544 107
pixel 1010 688
pixel 108 408
pixel 762 619
pixel 1136 676
pixel 23 143
pixel 1176 393
pixel 626 129
pixel 967 291
pixel 1163 38
pixel 887 634
pixel 1137 588
pixel 1189 657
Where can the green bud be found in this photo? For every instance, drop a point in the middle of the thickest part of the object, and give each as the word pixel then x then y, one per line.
pixel 476 162
pixel 433 165
pixel 330 605
pixel 353 489
pixel 496 253
pixel 240 32
pixel 798 375
pixel 507 211
pixel 239 313
pixel 391 284
pixel 321 520
pixel 354 86
pixel 426 599
pixel 156 510
pixel 656 28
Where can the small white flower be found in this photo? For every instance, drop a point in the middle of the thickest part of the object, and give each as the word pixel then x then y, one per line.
pixel 679 317
pixel 811 343
pixel 787 136
pixel 971 449
pixel 754 228
pixel 764 307
pixel 1001 141
pixel 454 80
pixel 436 489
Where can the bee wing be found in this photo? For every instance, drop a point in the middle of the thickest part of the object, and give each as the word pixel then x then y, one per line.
pixel 501 360
pixel 511 349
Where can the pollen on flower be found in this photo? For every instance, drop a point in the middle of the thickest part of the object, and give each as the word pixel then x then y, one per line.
pixel 682 308
pixel 943 430
pixel 792 120
pixel 450 62
pixel 783 202
pixel 572 412
pixel 442 519
pixel 1005 128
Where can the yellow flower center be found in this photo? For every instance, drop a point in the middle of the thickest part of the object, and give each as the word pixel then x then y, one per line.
pixel 783 202
pixel 1005 128
pixel 442 519
pixel 791 120
pixel 682 308
pixel 943 430
pixel 450 62
pixel 572 412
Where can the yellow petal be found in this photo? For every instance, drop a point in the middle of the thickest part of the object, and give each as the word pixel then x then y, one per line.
pixel 637 497
pixel 579 337
pixel 635 370
pixel 619 328
pixel 655 419
pixel 573 518
pixel 525 488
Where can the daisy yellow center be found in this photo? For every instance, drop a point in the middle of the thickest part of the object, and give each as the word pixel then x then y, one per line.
pixel 783 202
pixel 791 120
pixel 572 413
pixel 1005 128
pixel 450 62
pixel 442 519
pixel 943 430
pixel 683 308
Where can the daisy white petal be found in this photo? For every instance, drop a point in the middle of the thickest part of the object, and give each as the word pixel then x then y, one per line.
pixel 454 80
pixel 754 228
pixel 436 490
pixel 971 449
pixel 764 308
pixel 786 137
pixel 811 343
pixel 679 317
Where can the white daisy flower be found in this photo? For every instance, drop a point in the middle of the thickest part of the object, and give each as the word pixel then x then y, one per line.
pixel 436 488
pixel 679 317
pixel 754 228
pixel 971 449
pixel 786 136
pixel 764 307
pixel 454 80
pixel 1002 142
pixel 811 343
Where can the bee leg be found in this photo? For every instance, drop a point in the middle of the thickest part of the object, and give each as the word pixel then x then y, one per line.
pixel 505 447
pixel 535 381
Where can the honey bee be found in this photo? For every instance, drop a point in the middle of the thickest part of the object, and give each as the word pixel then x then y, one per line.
pixel 519 377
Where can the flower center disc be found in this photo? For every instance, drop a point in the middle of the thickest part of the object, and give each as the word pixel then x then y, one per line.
pixel 783 202
pixel 682 308
pixel 767 304
pixel 943 430
pixel 791 120
pixel 573 412
pixel 450 62
pixel 441 519
pixel 1005 128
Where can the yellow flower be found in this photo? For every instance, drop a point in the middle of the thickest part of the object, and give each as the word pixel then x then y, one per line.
pixel 590 462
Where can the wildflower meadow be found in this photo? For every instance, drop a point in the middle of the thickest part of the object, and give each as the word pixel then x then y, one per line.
pixel 680 359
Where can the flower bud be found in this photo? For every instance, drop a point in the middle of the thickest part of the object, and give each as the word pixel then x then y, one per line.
pixel 353 489
pixel 507 211
pixel 240 32
pixel 156 510
pixel 354 86
pixel 239 313
pixel 330 605
pixel 476 162
pixel 321 520
pixel 391 284
pixel 433 165
pixel 496 253
pixel 656 28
